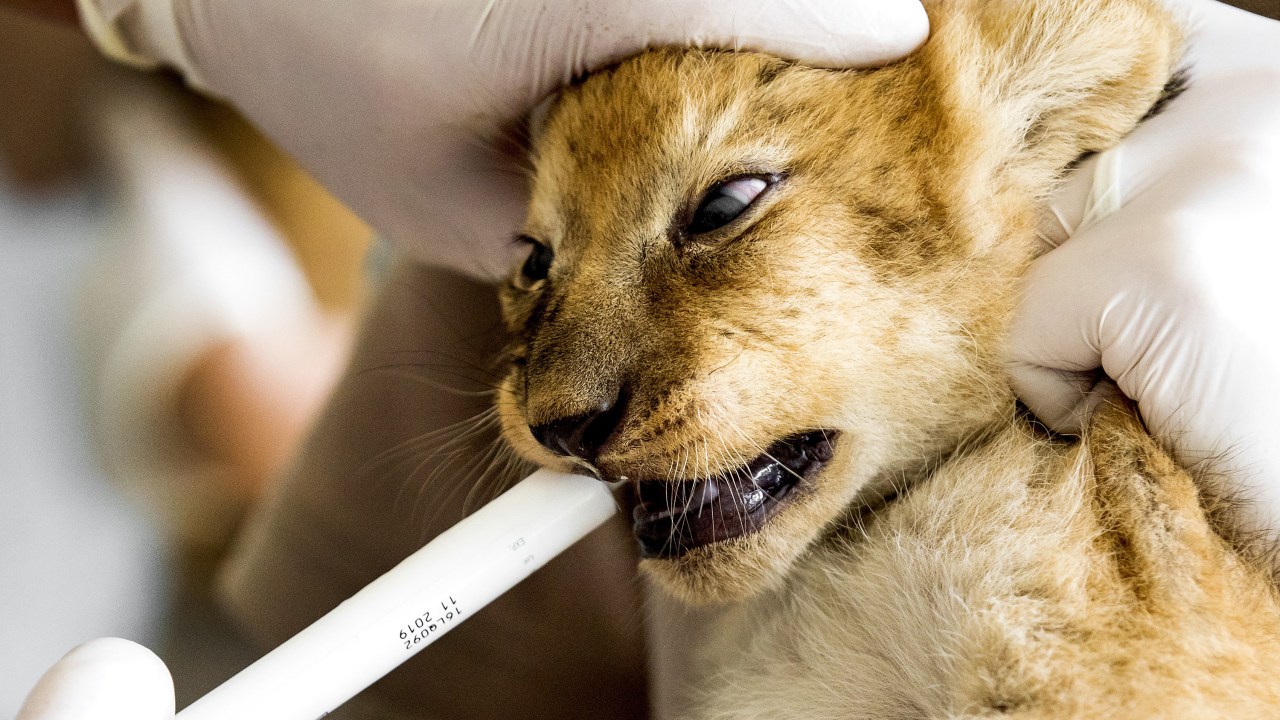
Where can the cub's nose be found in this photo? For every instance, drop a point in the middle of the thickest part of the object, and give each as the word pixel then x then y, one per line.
pixel 581 436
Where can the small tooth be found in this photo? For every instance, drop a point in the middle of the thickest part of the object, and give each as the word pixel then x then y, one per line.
pixel 753 499
pixel 769 477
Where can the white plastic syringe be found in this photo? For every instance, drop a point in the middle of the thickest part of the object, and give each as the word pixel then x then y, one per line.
pixel 413 604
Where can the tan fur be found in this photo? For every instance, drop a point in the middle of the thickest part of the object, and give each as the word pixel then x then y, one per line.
pixel 950 561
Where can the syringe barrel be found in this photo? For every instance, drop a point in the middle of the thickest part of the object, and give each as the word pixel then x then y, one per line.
pixel 415 603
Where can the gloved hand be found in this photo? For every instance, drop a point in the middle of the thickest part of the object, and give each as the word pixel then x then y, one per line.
pixel 405 108
pixel 1175 295
pixel 105 679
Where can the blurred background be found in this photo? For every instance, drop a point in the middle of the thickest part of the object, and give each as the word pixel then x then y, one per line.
pixel 176 299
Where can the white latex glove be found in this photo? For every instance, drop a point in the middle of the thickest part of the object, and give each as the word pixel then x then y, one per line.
pixel 401 107
pixel 1175 294
pixel 105 679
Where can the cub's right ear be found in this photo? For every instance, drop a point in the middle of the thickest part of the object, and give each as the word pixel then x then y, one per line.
pixel 1046 81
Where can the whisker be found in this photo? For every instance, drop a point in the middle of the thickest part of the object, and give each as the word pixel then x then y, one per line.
pixel 486 462
pixel 398 370
pixel 458 432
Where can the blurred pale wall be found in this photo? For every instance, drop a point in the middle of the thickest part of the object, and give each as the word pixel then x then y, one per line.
pixel 77 559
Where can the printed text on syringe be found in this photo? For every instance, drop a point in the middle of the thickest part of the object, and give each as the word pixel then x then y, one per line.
pixel 420 628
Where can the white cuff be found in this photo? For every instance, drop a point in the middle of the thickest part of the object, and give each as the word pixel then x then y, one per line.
pixel 155 20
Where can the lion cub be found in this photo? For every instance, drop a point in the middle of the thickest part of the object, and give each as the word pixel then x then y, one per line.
pixel 773 298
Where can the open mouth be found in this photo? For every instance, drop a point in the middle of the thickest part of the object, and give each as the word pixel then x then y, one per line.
pixel 672 518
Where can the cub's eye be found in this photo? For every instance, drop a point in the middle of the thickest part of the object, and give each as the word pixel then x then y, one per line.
pixel 538 264
pixel 725 202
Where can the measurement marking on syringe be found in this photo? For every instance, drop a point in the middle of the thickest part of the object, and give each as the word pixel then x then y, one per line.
pixel 417 630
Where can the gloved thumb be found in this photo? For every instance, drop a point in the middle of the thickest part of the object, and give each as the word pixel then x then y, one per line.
pixel 1086 313
pixel 1055 348
pixel 104 679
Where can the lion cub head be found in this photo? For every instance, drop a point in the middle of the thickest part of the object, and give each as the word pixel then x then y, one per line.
pixel 760 292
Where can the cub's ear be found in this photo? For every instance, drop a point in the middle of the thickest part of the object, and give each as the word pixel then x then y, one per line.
pixel 1042 82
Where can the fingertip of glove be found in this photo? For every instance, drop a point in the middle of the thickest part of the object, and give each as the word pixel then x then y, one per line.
pixel 879 32
pixel 839 35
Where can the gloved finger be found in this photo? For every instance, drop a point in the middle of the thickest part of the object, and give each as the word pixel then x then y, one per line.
pixel 817 32
pixel 589 34
pixel 104 679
